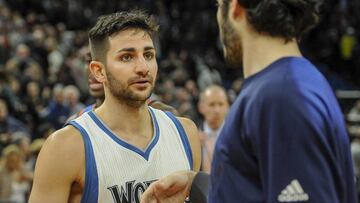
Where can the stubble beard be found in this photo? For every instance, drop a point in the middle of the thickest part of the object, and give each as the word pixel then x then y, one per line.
pixel 124 94
pixel 232 46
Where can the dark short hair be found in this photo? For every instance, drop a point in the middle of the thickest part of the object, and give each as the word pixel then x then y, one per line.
pixel 110 24
pixel 287 19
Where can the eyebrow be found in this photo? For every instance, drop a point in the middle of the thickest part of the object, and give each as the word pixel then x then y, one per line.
pixel 133 49
pixel 149 48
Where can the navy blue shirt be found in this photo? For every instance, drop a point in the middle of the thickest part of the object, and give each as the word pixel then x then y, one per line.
pixel 284 140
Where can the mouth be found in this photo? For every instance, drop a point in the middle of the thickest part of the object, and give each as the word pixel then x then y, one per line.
pixel 143 80
pixel 141 83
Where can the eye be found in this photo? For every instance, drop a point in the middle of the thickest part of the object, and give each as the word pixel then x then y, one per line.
pixel 149 56
pixel 126 58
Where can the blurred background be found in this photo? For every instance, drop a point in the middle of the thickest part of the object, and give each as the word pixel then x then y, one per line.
pixel 43 69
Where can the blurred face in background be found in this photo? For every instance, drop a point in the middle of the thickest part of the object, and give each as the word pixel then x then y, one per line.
pixel 58 94
pixel 71 94
pixel 33 89
pixel 24 146
pixel 13 161
pixel 214 105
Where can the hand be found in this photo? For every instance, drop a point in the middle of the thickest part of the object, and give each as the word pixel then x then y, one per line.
pixel 173 188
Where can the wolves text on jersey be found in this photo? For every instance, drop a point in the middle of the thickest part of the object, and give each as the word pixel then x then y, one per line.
pixel 129 192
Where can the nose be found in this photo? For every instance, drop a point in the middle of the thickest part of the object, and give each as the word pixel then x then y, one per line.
pixel 217 109
pixel 142 67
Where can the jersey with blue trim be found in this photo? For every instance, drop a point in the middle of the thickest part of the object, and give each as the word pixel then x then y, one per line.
pixel 284 140
pixel 118 172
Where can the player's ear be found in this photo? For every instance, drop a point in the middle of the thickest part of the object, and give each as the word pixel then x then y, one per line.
pixel 98 70
pixel 236 11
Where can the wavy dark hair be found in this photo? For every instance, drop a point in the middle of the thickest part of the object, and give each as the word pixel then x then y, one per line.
pixel 287 19
pixel 108 25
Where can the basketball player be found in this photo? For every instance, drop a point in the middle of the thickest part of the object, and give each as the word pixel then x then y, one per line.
pixel 112 154
pixel 213 106
pixel 284 139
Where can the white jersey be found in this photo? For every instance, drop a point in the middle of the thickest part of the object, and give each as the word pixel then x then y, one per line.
pixel 118 172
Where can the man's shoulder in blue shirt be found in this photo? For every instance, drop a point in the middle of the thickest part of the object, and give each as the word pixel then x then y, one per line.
pixel 284 140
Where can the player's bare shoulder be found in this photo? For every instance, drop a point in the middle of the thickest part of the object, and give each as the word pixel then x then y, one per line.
pixel 66 144
pixel 60 164
pixel 67 139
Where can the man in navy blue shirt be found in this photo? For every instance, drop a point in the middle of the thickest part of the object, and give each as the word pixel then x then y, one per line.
pixel 284 139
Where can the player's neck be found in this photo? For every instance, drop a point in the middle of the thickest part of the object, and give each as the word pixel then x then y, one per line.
pixel 260 51
pixel 122 117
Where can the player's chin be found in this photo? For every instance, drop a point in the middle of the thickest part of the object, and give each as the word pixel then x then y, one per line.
pixel 142 95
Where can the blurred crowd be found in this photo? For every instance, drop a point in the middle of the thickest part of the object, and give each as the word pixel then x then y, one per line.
pixel 43 80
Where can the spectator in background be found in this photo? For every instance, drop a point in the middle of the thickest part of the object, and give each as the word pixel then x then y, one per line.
pixel 6 92
pixel 39 51
pixel 213 106
pixel 71 96
pixel 184 104
pixel 8 124
pixel 79 66
pixel 14 178
pixel 21 60
pixel 34 105
pixel 56 112
pixel 35 148
pixel 55 58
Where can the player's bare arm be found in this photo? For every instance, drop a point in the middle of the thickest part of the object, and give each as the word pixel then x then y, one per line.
pixel 59 167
